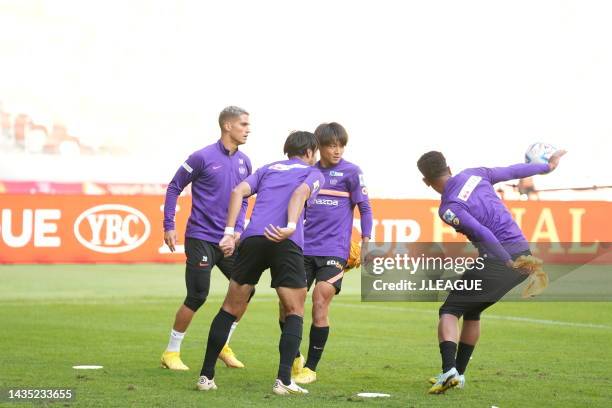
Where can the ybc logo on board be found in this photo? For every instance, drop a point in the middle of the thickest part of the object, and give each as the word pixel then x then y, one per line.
pixel 112 228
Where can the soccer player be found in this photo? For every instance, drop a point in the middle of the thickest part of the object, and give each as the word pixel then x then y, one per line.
pixel 273 239
pixel 213 172
pixel 327 238
pixel 469 205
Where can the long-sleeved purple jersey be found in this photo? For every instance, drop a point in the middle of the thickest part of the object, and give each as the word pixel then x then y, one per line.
pixel 470 205
pixel 213 172
pixel 274 184
pixel 329 221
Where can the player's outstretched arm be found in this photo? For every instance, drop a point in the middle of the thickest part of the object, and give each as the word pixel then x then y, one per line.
pixel 227 243
pixel 295 207
pixel 522 170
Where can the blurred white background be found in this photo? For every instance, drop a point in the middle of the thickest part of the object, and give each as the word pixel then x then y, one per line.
pixel 478 80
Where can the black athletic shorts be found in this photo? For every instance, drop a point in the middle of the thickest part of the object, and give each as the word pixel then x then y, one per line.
pixel 285 260
pixel 497 280
pixel 202 256
pixel 328 269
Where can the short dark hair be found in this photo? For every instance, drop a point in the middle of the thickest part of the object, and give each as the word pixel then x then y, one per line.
pixel 299 142
pixel 432 165
pixel 328 133
pixel 230 113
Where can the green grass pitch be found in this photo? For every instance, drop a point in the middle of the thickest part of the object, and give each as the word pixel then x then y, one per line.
pixel 118 316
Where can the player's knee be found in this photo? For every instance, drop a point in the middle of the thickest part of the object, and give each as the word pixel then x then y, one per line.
pixel 320 306
pixel 195 300
pixel 293 309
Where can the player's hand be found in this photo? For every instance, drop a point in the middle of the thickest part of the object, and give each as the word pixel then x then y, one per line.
pixel 237 238
pixel 510 264
pixel 227 245
pixel 278 234
pixel 553 162
pixel 170 239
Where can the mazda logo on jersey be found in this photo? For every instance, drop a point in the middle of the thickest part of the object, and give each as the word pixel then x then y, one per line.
pixel 112 228
pixel 325 201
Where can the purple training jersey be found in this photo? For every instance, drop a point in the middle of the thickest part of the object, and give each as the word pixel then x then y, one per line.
pixel 329 220
pixel 274 184
pixel 213 173
pixel 470 205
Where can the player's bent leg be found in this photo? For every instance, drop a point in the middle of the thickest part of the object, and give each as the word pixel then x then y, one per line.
pixel 292 300
pixel 470 333
pixel 236 301
pixel 197 282
pixel 322 296
pixel 171 357
pixel 448 334
pixel 299 360
pixel 237 298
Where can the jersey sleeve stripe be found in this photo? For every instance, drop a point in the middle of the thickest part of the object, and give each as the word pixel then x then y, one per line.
pixel 334 193
pixel 187 167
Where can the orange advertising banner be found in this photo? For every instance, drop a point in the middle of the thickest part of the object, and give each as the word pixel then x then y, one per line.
pixel 128 229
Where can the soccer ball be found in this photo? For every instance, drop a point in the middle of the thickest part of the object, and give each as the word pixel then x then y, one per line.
pixel 539 153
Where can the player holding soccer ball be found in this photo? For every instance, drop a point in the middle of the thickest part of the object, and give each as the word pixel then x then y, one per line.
pixel 327 238
pixel 469 205
pixel 213 172
pixel 273 239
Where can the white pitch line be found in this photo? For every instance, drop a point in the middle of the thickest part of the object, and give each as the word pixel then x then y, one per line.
pixel 486 316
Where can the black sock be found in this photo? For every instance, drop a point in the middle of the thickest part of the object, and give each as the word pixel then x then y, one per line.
pixel 464 352
pixel 448 349
pixel 281 324
pixel 217 336
pixel 288 346
pixel 318 338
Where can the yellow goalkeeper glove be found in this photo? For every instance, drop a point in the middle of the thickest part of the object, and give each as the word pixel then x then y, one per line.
pixel 537 280
pixel 354 260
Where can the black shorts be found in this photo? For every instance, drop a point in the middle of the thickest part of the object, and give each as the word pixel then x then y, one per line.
pixel 202 256
pixel 328 269
pixel 285 260
pixel 497 280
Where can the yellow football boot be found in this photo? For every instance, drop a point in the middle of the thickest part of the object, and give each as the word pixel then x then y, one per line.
pixel 297 366
pixel 172 360
pixel 306 376
pixel 229 358
pixel 445 381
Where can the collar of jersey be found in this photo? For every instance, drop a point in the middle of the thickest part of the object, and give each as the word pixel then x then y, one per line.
pixel 320 167
pixel 223 149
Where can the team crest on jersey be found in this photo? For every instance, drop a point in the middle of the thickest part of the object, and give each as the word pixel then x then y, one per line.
pixel 240 161
pixel 333 173
pixel 315 185
pixel 450 217
pixel 242 170
pixel 333 181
